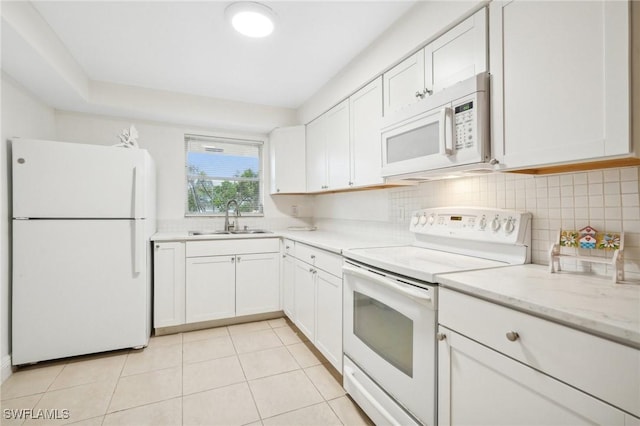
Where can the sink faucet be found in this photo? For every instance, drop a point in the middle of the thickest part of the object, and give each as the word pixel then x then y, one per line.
pixel 231 226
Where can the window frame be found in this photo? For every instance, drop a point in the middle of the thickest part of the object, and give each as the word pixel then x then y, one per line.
pixel 239 140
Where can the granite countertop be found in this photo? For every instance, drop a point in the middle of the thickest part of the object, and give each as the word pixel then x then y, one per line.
pixel 586 302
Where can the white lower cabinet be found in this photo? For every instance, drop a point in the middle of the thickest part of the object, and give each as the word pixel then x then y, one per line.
pixel 317 300
pixel 210 290
pixel 304 291
pixel 288 283
pixel 498 366
pixel 477 385
pixel 257 283
pixel 198 281
pixel 168 284
pixel 329 317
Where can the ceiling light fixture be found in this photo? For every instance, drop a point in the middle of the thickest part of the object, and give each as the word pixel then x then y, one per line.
pixel 250 18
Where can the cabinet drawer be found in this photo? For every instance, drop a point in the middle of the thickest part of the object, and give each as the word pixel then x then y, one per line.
pixel 321 259
pixel 289 247
pixel 224 247
pixel 602 368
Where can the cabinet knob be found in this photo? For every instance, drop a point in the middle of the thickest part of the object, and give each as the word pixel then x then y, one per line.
pixel 311 270
pixel 158 246
pixel 512 336
pixel 233 259
pixel 287 247
pixel 238 259
pixel 313 256
pixel 419 94
pixel 350 183
pixel 441 336
pixel 278 190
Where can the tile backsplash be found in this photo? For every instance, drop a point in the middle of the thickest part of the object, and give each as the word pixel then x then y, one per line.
pixel 607 200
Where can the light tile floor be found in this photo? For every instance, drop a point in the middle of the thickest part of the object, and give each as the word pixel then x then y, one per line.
pixel 260 373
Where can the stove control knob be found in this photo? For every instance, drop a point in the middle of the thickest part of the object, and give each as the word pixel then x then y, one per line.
pixel 509 226
pixel 431 220
pixel 482 223
pixel 414 220
pixel 423 219
pixel 495 224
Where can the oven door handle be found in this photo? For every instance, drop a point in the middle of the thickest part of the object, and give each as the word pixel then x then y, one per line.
pixel 419 296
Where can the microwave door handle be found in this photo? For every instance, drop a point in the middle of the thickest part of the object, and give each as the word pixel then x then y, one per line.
pixel 446 132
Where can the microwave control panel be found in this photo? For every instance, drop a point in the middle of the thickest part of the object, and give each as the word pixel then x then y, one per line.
pixel 464 120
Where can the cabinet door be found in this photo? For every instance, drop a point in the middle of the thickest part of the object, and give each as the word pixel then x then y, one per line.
pixel 458 54
pixel 477 385
pixel 305 294
pixel 316 160
pixel 168 284
pixel 287 155
pixel 257 283
pixel 329 318
pixel 210 288
pixel 365 109
pixel 337 146
pixel 288 286
pixel 560 85
pixel 402 82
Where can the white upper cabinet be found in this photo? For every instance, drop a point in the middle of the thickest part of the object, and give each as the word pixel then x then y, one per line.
pixel 458 54
pixel 327 157
pixel 404 83
pixel 287 155
pixel 337 146
pixel 316 155
pixel 560 88
pixel 365 113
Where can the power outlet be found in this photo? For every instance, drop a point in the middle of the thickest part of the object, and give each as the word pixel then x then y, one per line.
pixel 294 211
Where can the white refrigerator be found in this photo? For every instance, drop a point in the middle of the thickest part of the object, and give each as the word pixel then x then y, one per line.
pixel 82 218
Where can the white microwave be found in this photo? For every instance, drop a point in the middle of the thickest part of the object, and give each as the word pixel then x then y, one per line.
pixel 446 130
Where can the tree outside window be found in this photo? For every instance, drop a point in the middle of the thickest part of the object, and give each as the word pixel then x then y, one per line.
pixel 220 170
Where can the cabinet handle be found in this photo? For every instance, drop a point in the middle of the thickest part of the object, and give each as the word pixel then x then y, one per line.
pixel 441 336
pixel 512 336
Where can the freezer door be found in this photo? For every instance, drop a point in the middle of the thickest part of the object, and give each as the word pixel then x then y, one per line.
pixel 75 290
pixel 69 180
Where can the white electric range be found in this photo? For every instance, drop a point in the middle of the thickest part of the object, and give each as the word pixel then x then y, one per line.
pixel 390 304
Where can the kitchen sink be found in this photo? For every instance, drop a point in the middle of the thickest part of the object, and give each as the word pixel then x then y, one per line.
pixel 239 231
pixel 208 232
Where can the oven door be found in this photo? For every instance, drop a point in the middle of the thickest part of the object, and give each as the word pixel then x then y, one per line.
pixel 389 333
pixel 420 143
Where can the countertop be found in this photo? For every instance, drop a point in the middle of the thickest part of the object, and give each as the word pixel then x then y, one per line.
pixel 331 241
pixel 586 302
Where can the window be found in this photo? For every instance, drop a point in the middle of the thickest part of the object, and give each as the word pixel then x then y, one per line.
pixel 220 170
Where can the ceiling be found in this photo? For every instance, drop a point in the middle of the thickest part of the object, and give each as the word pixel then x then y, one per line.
pixel 188 47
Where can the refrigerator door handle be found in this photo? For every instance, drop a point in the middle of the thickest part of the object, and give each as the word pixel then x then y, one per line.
pixel 138 246
pixel 138 195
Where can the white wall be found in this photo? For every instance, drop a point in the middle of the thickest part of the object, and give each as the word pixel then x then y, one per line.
pixel 25 116
pixel 422 23
pixel 165 143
